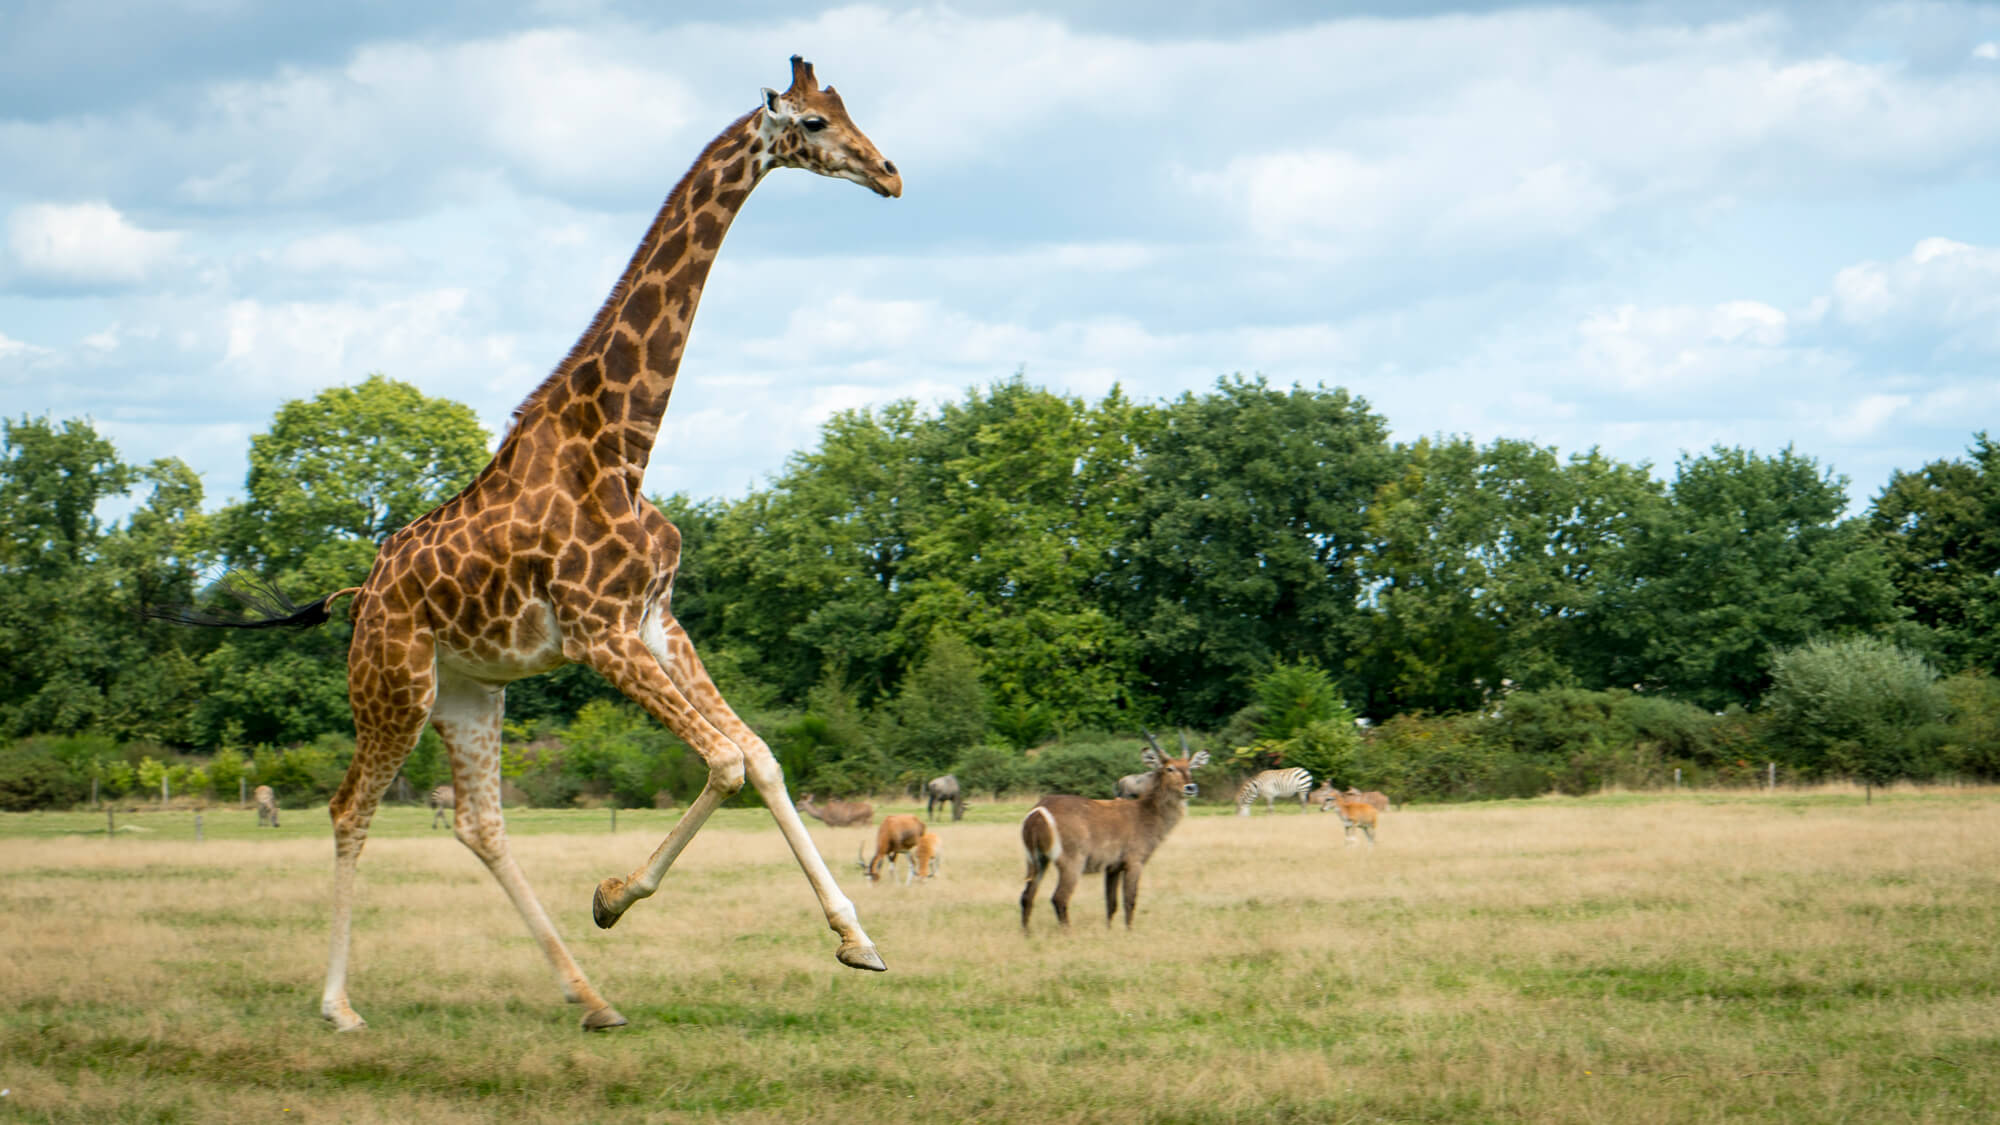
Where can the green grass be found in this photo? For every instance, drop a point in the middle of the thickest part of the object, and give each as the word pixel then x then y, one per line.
pixel 1672 958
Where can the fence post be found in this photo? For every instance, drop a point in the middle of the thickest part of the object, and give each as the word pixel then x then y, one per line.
pixel 1772 775
pixel 614 819
pixel 197 826
pixel 242 790
pixel 163 791
pixel 1677 777
pixel 110 822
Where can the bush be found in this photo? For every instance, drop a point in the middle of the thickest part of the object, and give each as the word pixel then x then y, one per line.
pixel 33 778
pixel 1085 769
pixel 1860 707
pixel 1428 758
pixel 991 768
pixel 1972 734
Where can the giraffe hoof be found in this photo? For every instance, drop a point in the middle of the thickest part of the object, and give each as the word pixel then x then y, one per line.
pixel 600 907
pixel 861 957
pixel 349 1020
pixel 603 1019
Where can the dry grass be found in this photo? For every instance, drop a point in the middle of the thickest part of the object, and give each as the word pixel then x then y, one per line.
pixel 1633 958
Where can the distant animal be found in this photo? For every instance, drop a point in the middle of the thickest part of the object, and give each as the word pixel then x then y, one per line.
pixel 442 800
pixel 1273 786
pixel 1373 796
pixel 1355 814
pixel 945 790
pixel 928 856
pixel 1079 836
pixel 1133 785
pixel 1323 796
pixel 267 806
pixel 898 835
pixel 837 814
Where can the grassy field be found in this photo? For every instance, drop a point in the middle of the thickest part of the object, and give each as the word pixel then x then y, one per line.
pixel 1634 958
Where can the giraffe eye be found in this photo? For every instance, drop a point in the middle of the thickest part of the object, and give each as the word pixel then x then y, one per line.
pixel 814 124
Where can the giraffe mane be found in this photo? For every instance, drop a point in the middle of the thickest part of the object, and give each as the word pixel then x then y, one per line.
pixel 586 344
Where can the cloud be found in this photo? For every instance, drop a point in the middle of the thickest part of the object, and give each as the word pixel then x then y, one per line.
pixel 1943 292
pixel 1680 348
pixel 84 245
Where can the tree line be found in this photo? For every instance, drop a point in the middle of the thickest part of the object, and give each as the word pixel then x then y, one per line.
pixel 1015 582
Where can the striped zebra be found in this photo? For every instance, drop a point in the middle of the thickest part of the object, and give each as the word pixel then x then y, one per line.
pixel 1273 785
pixel 441 799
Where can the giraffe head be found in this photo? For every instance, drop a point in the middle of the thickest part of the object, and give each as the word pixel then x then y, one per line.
pixel 808 127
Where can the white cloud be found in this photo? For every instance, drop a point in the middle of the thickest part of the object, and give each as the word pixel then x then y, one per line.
pixel 1680 347
pixel 85 244
pixel 1987 51
pixel 340 252
pixel 1943 290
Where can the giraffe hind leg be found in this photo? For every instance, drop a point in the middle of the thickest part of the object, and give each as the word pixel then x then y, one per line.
pixel 467 718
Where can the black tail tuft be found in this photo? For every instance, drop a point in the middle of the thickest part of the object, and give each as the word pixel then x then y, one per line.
pixel 269 607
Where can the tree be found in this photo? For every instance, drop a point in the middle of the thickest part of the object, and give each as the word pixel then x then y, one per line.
pixel 1751 555
pixel 1939 529
pixel 940 711
pixel 1247 522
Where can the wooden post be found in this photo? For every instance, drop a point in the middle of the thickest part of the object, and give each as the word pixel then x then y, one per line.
pixel 1677 777
pixel 93 791
pixel 242 790
pixel 163 791
pixel 1772 775
pixel 110 822
pixel 197 826
pixel 614 819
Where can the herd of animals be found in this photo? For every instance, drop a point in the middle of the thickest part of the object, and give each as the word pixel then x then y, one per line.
pixel 1074 835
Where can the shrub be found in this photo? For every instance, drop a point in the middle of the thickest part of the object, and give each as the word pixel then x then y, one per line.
pixel 991 768
pixel 1858 706
pixel 33 778
pixel 1085 769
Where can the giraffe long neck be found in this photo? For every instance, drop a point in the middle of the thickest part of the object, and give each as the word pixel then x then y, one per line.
pixel 612 389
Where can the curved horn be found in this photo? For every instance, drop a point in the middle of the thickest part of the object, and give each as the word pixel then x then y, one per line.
pixel 1153 742
pixel 1182 731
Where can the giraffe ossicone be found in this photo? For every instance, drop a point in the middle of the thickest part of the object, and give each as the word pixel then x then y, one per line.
pixel 551 555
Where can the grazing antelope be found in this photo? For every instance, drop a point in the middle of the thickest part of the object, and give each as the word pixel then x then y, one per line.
pixel 1079 836
pixel 945 790
pixel 899 834
pixel 1273 785
pixel 928 856
pixel 267 806
pixel 837 814
pixel 1355 814
pixel 440 800
pixel 1374 797
pixel 1132 785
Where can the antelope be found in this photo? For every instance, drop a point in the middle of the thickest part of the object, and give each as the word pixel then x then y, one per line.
pixel 1374 797
pixel 1132 785
pixel 1272 785
pixel 837 814
pixel 440 799
pixel 928 857
pixel 900 833
pixel 1323 796
pixel 945 790
pixel 1079 835
pixel 1355 814
pixel 267 806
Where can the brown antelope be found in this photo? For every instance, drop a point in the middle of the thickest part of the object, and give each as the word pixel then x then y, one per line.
pixel 1323 796
pixel 1355 814
pixel 944 790
pixel 1374 797
pixel 1079 836
pixel 898 835
pixel 837 814
pixel 928 856
pixel 267 806
pixel 441 800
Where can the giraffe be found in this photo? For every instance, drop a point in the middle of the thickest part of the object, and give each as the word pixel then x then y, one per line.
pixel 551 555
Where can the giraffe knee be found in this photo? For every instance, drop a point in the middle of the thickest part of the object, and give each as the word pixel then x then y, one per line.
pixel 725 773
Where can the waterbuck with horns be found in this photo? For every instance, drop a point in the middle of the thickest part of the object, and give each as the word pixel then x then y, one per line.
pixel 1079 835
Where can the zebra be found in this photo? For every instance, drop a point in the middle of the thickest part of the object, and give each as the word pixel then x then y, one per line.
pixel 1272 785
pixel 440 799
pixel 267 806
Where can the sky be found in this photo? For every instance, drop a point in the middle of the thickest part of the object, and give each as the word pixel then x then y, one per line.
pixel 1647 228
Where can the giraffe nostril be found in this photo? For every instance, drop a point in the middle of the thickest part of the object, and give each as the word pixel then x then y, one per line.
pixel 889 166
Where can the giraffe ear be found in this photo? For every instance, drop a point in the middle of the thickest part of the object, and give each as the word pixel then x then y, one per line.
pixel 774 107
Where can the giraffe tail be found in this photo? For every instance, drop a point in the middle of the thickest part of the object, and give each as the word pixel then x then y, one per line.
pixel 269 607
